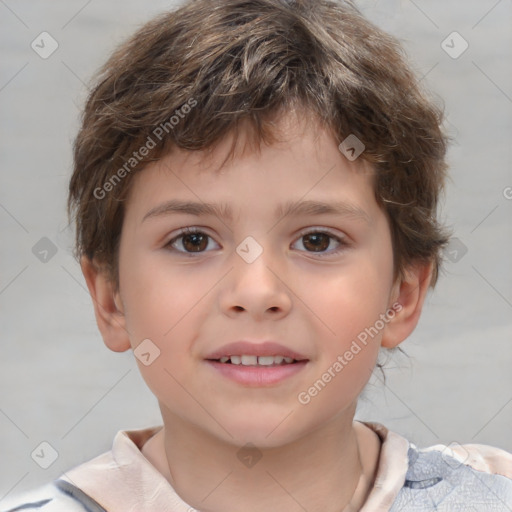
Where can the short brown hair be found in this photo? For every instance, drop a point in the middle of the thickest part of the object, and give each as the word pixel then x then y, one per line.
pixel 189 77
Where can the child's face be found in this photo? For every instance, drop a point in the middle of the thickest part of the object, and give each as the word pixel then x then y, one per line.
pixel 313 296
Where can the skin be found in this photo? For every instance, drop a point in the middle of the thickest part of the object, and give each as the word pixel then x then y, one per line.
pixel 316 303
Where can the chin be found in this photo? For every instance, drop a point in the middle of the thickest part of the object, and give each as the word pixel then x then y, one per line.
pixel 264 431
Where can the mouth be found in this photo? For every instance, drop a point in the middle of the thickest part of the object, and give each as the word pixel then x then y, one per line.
pixel 264 364
pixel 257 361
pixel 263 353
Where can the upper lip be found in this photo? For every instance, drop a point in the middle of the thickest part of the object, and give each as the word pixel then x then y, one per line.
pixel 264 348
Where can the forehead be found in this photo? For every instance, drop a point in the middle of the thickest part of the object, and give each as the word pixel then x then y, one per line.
pixel 304 162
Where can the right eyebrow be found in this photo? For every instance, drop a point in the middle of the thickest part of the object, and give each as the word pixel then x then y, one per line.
pixel 222 211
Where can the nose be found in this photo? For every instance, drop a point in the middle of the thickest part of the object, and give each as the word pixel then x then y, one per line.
pixel 256 289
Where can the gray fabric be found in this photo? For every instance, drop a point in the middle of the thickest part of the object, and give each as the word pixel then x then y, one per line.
pixel 438 482
pixel 28 506
pixel 88 503
pixel 61 497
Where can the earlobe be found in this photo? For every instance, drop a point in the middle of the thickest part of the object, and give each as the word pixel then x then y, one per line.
pixel 407 300
pixel 108 307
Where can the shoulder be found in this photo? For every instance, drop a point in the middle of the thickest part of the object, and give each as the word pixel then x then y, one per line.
pixel 113 475
pixel 58 496
pixel 468 477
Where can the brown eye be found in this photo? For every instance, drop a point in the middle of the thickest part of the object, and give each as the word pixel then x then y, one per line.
pixel 190 241
pixel 322 243
pixel 317 242
pixel 196 242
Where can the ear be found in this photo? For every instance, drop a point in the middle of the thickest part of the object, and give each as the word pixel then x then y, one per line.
pixel 107 306
pixel 407 301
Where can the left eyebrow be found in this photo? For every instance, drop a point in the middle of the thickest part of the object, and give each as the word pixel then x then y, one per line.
pixel 224 211
pixel 321 208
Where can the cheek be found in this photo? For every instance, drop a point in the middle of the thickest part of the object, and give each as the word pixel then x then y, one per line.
pixel 354 299
pixel 167 305
pixel 350 305
pixel 159 298
pixel 349 308
pixel 161 306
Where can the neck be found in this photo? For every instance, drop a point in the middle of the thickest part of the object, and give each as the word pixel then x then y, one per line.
pixel 324 471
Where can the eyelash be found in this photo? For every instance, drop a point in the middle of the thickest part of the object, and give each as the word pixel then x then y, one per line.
pixel 192 231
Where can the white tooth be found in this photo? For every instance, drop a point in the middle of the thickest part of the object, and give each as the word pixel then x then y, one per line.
pixel 236 359
pixel 224 359
pixel 266 360
pixel 248 360
pixel 288 359
pixel 278 359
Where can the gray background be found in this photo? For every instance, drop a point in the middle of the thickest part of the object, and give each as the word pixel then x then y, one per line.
pixel 59 383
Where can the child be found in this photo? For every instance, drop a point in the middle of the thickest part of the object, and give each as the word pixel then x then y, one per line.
pixel 255 190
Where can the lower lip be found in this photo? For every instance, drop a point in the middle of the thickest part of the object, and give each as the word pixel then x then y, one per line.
pixel 258 375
